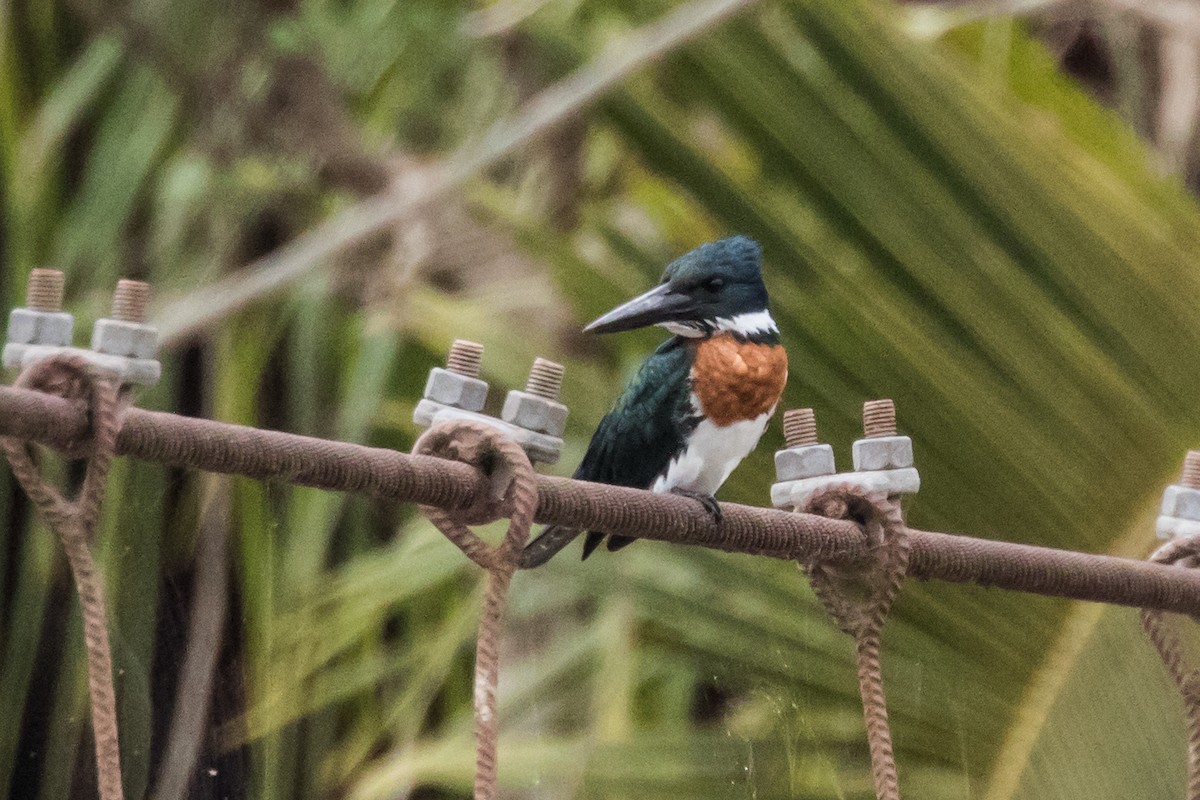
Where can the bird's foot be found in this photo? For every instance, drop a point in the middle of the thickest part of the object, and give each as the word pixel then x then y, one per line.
pixel 707 500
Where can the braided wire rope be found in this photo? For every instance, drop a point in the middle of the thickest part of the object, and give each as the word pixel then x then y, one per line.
pixel 340 466
pixel 514 493
pixel 858 597
pixel 1184 553
pixel 74 522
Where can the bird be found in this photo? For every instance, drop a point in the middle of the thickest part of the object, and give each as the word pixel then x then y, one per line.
pixel 698 405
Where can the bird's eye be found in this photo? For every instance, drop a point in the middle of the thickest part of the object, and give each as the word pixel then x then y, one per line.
pixel 714 284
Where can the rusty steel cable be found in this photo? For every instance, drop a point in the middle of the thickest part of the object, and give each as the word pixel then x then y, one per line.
pixel 859 596
pixel 74 522
pixel 514 487
pixel 235 449
pixel 1179 553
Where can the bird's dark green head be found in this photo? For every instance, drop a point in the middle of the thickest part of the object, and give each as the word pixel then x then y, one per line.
pixel 718 286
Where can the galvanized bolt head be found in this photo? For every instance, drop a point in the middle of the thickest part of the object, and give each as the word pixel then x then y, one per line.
pixel 883 452
pixel 805 461
pixel 120 338
pixel 30 326
pixel 534 413
pixel 455 389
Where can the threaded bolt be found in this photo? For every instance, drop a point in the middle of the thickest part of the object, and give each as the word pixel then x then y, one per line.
pixel 879 418
pixel 799 427
pixel 545 379
pixel 130 301
pixel 465 358
pixel 44 292
pixel 1191 470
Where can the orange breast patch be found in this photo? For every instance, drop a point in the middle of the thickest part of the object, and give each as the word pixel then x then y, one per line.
pixel 737 380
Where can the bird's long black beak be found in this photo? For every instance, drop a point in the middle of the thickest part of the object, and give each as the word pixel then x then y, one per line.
pixel 658 305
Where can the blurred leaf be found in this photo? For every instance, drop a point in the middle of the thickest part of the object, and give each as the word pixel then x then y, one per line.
pixel 129 143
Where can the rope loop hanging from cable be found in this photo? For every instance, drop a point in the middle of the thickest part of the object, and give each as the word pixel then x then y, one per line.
pixel 514 493
pixel 74 522
pixel 858 597
pixel 1183 552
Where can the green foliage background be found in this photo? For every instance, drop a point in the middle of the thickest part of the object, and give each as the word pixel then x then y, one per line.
pixel 948 222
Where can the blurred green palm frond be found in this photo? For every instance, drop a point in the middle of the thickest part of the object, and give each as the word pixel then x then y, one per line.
pixel 949 223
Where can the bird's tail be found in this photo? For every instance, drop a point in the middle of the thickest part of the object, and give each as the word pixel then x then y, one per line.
pixel 594 538
pixel 615 542
pixel 546 545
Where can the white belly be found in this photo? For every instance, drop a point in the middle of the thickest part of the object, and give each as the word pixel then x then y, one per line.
pixel 712 454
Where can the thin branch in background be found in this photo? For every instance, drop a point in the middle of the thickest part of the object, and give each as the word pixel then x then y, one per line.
pixel 1174 16
pixel 1179 98
pixel 934 20
pixel 559 103
pixel 189 723
pixel 500 18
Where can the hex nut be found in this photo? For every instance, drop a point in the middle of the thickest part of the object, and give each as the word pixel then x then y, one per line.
pixel 805 461
pixel 29 326
pixel 116 337
pixel 883 452
pixel 451 389
pixel 534 413
pixel 1181 501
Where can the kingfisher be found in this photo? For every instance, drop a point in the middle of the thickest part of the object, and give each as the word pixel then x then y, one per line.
pixel 698 405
